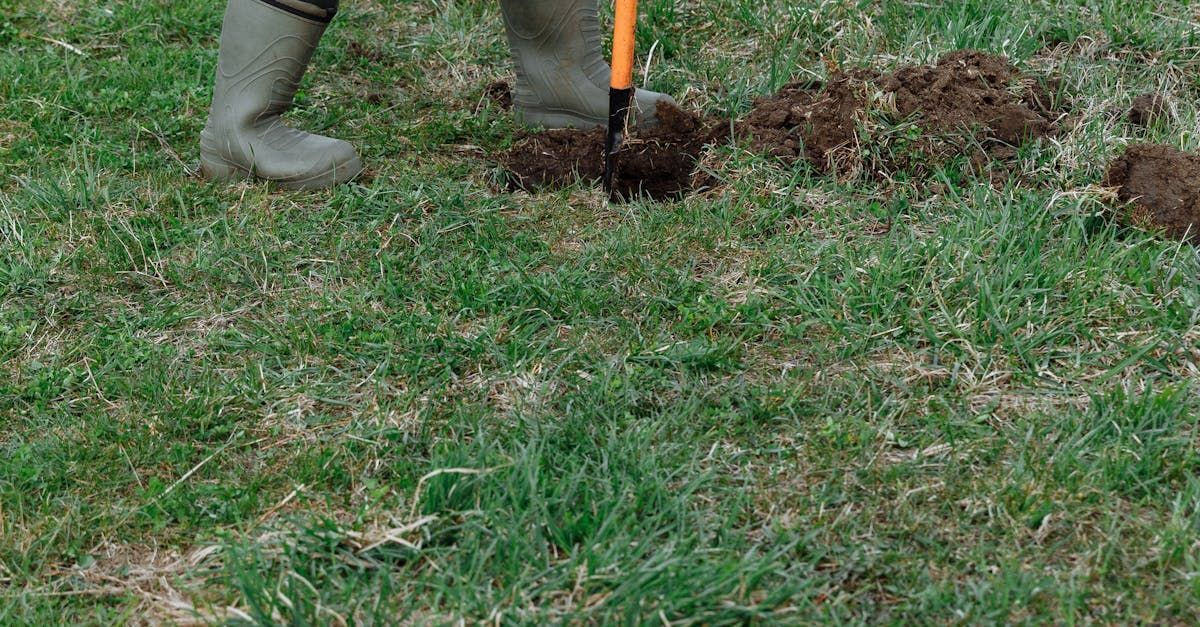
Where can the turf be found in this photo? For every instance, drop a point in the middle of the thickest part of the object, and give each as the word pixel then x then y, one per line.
pixel 935 398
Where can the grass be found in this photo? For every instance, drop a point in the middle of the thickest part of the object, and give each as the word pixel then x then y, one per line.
pixel 423 398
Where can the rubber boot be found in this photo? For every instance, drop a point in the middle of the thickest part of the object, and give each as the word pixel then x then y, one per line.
pixel 562 78
pixel 266 46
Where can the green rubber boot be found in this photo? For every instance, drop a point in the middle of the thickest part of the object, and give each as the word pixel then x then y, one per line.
pixel 266 46
pixel 562 79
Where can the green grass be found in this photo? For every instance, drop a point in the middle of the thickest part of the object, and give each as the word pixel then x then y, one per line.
pixel 423 398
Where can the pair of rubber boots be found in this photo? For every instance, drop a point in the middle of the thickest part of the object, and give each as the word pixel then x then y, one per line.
pixel 266 46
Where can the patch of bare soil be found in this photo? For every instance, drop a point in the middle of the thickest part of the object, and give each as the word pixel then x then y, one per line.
pixel 1162 186
pixel 658 163
pixel 807 122
pixel 967 95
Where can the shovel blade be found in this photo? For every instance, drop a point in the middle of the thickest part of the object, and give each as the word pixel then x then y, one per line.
pixel 619 101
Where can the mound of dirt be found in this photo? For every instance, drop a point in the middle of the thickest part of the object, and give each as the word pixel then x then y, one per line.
pixel 967 92
pixel 972 90
pixel 969 102
pixel 803 121
pixel 1162 185
pixel 657 163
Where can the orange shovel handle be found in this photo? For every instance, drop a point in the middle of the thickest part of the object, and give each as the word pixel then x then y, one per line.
pixel 624 29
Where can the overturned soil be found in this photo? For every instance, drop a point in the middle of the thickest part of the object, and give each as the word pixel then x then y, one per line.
pixel 968 103
pixel 1162 186
pixel 658 163
pixel 968 99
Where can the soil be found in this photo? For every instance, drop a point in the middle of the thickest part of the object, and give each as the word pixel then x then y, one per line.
pixel 971 90
pixel 1148 109
pixel 804 121
pixel 658 163
pixel 967 92
pixel 1162 185
pixel 969 102
pixel 359 50
pixel 500 93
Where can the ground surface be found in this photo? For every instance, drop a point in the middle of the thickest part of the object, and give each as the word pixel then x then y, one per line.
pixel 929 396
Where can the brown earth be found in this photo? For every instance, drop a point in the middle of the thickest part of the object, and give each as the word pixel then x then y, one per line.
pixel 1148 109
pixel 359 50
pixel 969 102
pixel 500 93
pixel 1162 185
pixel 966 95
pixel 658 163
pixel 972 90
pixel 804 121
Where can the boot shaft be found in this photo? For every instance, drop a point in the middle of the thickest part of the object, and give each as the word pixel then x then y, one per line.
pixel 555 32
pixel 265 50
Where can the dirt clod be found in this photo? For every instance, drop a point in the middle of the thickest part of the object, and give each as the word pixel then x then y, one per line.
pixel 1162 185
pixel 1147 109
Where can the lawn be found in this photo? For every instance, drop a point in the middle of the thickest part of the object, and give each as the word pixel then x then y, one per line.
pixel 422 397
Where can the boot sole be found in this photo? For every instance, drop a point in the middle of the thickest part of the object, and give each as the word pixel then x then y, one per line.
pixel 221 170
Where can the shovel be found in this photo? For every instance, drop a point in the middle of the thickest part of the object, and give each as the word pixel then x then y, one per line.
pixel 621 90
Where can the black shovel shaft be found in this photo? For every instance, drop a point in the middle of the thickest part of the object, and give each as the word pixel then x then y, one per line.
pixel 619 101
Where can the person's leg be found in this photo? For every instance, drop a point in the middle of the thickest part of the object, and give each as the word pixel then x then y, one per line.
pixel 266 46
pixel 562 78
